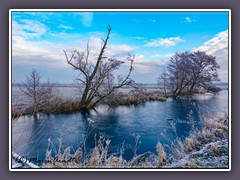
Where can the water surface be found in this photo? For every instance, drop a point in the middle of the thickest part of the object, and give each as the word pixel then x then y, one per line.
pixel 152 121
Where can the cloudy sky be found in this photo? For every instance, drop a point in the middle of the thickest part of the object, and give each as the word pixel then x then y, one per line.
pixel 39 38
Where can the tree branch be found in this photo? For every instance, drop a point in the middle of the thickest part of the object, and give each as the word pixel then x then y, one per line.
pixel 69 61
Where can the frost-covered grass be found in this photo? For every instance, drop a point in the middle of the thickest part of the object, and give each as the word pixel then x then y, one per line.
pixel 205 148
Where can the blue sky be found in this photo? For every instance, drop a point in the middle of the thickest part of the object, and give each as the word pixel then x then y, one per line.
pixel 38 40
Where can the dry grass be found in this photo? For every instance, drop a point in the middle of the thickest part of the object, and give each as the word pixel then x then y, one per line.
pixel 60 105
pixel 17 112
pixel 181 147
pixel 139 97
pixel 57 105
pixel 162 157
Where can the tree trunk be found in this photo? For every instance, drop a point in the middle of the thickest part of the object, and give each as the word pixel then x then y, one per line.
pixel 191 88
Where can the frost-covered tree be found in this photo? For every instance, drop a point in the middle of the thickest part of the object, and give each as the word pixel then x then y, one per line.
pixel 188 71
pixel 38 93
pixel 163 82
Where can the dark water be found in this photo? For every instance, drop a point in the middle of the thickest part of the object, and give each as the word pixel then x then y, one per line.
pixel 152 121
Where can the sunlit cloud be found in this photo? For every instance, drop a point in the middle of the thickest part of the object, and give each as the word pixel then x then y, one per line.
pixel 217 43
pixel 164 42
pixel 139 56
pixel 218 47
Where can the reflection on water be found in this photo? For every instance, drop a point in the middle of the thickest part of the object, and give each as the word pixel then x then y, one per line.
pixel 153 121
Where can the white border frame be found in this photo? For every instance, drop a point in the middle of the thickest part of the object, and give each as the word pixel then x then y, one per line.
pixel 118 10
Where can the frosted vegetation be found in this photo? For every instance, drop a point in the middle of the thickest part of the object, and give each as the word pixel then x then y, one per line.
pixel 205 148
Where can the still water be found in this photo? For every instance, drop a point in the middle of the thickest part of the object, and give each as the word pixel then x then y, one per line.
pixel 152 121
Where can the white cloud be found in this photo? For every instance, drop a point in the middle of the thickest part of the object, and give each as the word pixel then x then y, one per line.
pixel 119 51
pixel 87 19
pixel 28 29
pixel 142 68
pixel 124 48
pixel 165 56
pixel 25 48
pixel 29 48
pixel 42 53
pixel 112 50
pixel 21 47
pixel 218 47
pixel 219 42
pixel 51 54
pixel 64 36
pixel 189 20
pixel 139 38
pixel 156 55
pixel 147 65
pixel 165 42
pixel 139 56
pixel 61 26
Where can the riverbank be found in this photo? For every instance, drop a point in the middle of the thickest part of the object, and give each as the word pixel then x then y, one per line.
pixel 55 106
pixel 61 105
pixel 64 103
pixel 204 148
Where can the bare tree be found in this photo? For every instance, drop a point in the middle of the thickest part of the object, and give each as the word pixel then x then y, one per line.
pixel 203 71
pixel 162 81
pixel 177 75
pixel 96 76
pixel 189 70
pixel 38 93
